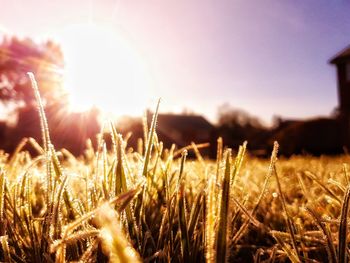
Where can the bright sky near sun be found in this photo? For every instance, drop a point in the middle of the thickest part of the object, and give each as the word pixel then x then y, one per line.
pixel 268 57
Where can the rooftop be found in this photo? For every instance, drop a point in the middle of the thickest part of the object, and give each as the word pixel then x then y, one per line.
pixel 341 56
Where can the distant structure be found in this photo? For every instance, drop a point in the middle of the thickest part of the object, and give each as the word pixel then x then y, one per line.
pixel 342 63
pixel 182 129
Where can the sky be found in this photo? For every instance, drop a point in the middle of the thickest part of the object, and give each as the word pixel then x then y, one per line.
pixel 267 57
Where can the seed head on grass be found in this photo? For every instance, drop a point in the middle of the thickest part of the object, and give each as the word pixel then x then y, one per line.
pixel 115 244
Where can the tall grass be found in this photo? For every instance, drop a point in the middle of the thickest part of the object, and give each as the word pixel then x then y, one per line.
pixel 157 205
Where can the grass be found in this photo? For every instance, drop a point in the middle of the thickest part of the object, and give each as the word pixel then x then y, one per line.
pixel 156 205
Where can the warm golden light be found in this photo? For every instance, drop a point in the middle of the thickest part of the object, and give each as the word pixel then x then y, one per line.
pixel 104 70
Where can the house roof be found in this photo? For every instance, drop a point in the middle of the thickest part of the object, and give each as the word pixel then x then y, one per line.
pixel 183 122
pixel 341 56
pixel 176 125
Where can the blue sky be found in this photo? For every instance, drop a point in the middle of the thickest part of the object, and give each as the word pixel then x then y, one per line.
pixel 267 57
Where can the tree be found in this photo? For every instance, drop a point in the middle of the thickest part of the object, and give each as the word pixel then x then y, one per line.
pixel 45 60
pixel 17 57
pixel 233 118
pixel 236 125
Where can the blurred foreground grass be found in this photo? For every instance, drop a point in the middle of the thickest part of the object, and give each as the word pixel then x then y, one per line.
pixel 154 205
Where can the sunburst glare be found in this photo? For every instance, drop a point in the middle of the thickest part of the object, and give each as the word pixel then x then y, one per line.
pixel 105 70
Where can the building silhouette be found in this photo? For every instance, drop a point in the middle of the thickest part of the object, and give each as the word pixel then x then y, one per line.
pixel 342 63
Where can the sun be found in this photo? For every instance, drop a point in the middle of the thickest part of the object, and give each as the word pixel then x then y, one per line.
pixel 104 70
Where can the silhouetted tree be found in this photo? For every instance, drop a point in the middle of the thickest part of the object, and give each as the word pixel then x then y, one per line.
pixel 17 57
pixel 236 125
pixel 45 60
pixel 233 117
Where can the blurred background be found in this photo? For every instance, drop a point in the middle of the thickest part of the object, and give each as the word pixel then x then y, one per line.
pixel 243 70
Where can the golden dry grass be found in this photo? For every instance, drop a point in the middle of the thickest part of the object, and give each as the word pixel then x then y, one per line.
pixel 155 205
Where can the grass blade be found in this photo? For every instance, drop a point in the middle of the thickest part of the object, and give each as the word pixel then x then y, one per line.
pixel 185 242
pixel 221 245
pixel 290 225
pixel 150 141
pixel 343 228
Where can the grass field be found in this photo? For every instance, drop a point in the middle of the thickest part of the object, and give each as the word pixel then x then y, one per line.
pixel 155 205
